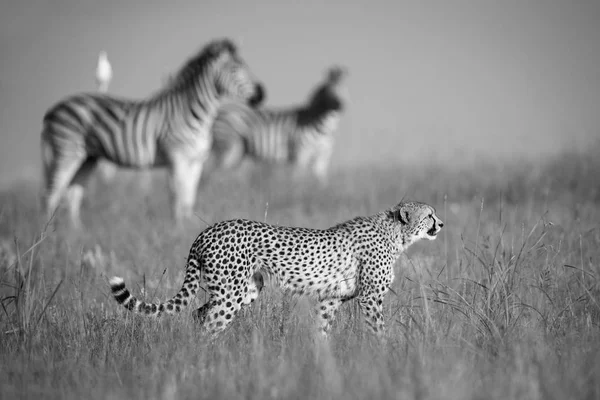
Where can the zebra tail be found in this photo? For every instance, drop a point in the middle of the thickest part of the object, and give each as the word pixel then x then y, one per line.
pixel 175 305
pixel 47 155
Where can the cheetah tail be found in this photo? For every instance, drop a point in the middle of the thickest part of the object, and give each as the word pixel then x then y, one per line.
pixel 172 306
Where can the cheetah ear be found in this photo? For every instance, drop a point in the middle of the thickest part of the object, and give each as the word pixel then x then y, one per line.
pixel 399 215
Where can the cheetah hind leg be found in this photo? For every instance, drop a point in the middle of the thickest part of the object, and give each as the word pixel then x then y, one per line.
pixel 326 313
pixel 255 286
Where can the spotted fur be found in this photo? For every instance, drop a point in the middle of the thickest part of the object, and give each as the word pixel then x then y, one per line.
pixel 353 259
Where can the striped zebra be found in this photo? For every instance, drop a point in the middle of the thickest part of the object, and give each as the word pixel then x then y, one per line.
pixel 170 128
pixel 300 136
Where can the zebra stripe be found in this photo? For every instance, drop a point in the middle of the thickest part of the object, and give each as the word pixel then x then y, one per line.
pixel 300 136
pixel 170 128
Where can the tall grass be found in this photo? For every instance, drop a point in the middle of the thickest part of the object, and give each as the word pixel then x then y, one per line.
pixel 505 304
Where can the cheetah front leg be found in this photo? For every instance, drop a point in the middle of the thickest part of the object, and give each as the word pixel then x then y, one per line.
pixel 371 306
pixel 255 286
pixel 327 309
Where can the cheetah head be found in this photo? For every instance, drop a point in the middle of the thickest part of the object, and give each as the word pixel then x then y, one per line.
pixel 417 221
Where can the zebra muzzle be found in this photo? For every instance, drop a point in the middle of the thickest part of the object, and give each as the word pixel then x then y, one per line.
pixel 258 96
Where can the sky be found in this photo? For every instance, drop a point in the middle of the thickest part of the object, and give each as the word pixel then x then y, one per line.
pixel 448 79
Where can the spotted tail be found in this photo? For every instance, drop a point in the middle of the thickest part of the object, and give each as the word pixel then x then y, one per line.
pixel 174 305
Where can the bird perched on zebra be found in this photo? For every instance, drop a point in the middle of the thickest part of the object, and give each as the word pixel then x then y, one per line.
pixel 104 75
pixel 300 136
pixel 104 72
pixel 170 128
pixel 106 169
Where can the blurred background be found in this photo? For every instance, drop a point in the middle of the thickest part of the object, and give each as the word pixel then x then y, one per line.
pixel 453 80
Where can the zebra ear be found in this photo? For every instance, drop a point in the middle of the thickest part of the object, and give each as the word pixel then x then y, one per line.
pixel 217 47
pixel 336 73
pixel 230 46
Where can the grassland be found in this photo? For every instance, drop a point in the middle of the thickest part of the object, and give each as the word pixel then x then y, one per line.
pixel 504 305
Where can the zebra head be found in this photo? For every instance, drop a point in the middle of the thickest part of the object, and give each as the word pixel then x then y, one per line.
pixel 234 79
pixel 335 82
pixel 331 94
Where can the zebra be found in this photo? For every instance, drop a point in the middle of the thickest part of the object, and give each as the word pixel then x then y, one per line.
pixel 300 136
pixel 169 129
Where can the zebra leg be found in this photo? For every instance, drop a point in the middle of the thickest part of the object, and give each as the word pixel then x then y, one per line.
pixel 76 189
pixel 107 171
pixel 209 167
pixel 194 174
pixel 144 180
pixel 185 176
pixel 226 155
pixel 232 154
pixel 303 161
pixel 60 173
pixel 320 168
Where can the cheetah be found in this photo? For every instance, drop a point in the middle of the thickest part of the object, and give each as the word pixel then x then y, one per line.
pixel 353 259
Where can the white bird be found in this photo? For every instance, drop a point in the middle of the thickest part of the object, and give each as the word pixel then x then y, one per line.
pixel 103 72
pixel 103 77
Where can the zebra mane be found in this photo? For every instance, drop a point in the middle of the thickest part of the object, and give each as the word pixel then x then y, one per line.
pixel 194 65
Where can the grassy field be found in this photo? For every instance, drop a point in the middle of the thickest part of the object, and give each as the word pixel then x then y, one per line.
pixel 505 304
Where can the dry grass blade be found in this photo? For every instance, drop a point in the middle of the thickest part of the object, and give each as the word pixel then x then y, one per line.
pixel 46 307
